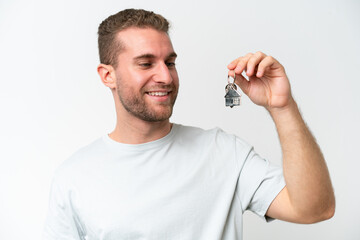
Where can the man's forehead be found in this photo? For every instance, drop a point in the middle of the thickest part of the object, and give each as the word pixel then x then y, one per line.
pixel 144 41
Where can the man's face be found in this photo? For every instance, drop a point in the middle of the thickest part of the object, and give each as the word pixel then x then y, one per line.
pixel 146 77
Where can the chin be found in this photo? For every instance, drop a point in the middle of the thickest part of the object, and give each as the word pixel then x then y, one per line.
pixel 159 116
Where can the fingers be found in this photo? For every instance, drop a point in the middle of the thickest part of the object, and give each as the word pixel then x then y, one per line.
pixel 267 62
pixel 252 63
pixel 254 60
pixel 239 64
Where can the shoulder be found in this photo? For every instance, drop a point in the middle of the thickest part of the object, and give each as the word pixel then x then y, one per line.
pixel 79 160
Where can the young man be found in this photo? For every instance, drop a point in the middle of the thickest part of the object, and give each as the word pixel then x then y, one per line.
pixel 152 179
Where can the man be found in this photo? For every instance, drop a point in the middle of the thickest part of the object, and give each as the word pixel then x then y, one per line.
pixel 151 179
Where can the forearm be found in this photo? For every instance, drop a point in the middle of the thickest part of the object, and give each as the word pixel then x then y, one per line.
pixel 305 171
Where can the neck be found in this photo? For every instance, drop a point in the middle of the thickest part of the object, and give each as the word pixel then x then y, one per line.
pixel 137 131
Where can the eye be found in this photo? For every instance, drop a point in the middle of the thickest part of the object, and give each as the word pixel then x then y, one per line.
pixel 170 64
pixel 145 65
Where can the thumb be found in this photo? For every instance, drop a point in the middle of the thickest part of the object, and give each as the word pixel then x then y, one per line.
pixel 243 83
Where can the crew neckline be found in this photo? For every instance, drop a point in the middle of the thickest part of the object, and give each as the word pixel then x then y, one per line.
pixel 142 146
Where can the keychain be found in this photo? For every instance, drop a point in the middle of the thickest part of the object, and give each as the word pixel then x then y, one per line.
pixel 232 96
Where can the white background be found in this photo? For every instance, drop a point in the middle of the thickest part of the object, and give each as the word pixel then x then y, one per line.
pixel 52 101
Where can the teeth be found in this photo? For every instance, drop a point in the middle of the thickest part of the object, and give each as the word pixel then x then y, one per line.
pixel 157 93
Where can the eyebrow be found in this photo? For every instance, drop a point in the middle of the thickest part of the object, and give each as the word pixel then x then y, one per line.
pixel 149 55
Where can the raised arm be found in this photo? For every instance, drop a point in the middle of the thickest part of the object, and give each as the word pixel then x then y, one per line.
pixel 308 196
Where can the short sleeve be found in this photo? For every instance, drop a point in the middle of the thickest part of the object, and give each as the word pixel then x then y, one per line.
pixel 259 183
pixel 59 223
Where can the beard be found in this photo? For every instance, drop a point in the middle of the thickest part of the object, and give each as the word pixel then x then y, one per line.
pixel 135 103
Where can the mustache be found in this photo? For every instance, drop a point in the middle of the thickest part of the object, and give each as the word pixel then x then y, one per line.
pixel 156 87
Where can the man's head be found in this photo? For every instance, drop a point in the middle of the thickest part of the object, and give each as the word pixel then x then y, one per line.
pixel 110 46
pixel 138 64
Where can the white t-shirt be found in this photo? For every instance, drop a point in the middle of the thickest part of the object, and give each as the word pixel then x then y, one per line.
pixel 190 184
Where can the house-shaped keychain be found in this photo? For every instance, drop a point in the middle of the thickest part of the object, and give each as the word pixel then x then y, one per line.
pixel 232 97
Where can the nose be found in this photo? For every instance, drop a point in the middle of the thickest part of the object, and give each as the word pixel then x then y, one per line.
pixel 163 74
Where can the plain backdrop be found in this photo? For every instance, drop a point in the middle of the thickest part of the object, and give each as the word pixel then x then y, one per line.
pixel 52 101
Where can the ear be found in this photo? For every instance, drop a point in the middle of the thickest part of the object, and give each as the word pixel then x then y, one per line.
pixel 107 75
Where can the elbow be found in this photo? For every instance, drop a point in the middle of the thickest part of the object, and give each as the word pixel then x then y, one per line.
pixel 315 218
pixel 329 213
pixel 326 213
pixel 317 211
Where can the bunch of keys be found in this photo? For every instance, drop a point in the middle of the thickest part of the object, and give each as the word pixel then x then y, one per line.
pixel 232 96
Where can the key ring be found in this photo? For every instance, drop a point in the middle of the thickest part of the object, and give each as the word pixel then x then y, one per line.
pixel 231 84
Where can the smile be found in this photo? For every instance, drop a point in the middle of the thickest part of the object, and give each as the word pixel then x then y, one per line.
pixel 158 93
